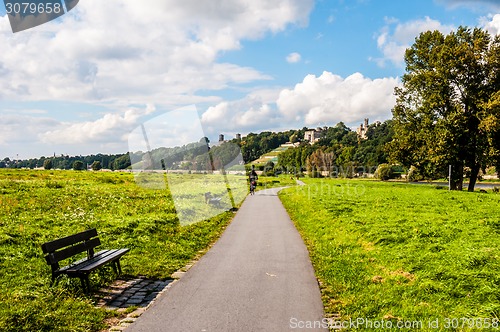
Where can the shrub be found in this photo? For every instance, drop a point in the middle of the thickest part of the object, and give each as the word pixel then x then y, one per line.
pixel 78 165
pixel 413 175
pixel 491 170
pixel 384 172
pixel 96 166
pixel 54 184
pixel 47 164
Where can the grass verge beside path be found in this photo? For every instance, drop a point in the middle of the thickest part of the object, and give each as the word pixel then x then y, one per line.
pixel 39 206
pixel 266 182
pixel 392 252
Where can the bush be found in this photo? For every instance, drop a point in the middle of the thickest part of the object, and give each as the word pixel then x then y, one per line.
pixel 47 164
pixel 384 172
pixel 413 175
pixel 269 169
pixel 96 166
pixel 491 170
pixel 78 165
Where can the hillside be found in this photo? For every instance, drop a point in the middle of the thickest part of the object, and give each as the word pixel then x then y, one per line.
pixel 273 155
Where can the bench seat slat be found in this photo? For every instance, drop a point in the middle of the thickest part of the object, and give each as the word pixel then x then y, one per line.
pixel 81 261
pixel 101 258
pixel 117 254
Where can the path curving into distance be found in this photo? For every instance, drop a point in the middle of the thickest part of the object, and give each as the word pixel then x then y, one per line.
pixel 257 277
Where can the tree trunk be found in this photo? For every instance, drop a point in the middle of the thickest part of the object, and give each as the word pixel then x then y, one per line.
pixel 460 185
pixel 473 177
pixel 457 177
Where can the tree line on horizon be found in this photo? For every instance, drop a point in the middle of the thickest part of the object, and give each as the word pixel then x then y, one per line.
pixel 194 156
pixel 66 162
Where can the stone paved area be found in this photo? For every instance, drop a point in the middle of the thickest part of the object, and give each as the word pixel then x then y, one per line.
pixel 123 294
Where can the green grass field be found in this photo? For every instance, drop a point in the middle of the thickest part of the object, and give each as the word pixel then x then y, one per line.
pixel 39 206
pixel 402 253
pixel 382 251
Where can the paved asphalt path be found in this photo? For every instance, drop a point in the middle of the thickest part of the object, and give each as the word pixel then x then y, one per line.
pixel 257 277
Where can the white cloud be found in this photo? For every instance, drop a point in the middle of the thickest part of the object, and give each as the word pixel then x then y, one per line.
pixel 394 38
pixel 116 49
pixel 110 127
pixel 45 135
pixel 122 53
pixel 492 24
pixel 471 4
pixel 22 127
pixel 293 57
pixel 327 99
pixel 330 98
pixel 175 128
pixel 254 112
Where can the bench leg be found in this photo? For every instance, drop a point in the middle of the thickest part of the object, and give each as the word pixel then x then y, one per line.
pixel 114 264
pixel 84 279
pixel 117 267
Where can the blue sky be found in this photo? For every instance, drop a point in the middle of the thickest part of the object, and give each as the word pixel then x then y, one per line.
pixel 82 83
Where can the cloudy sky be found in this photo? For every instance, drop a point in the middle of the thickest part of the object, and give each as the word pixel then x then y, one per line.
pixel 82 83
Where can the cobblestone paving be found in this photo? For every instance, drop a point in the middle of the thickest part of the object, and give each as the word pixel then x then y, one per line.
pixel 122 294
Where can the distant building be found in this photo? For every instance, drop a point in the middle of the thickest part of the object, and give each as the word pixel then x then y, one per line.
pixel 362 130
pixel 238 136
pixel 313 135
pixel 221 138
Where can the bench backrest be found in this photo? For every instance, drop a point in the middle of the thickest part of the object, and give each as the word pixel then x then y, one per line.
pixel 70 246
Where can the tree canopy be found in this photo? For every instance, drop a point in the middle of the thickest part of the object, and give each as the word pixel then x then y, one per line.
pixel 447 111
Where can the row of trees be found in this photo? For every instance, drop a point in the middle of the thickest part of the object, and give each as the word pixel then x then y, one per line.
pixel 196 156
pixel 78 165
pixel 192 156
pixel 113 162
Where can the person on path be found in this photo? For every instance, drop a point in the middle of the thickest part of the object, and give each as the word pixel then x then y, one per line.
pixel 253 180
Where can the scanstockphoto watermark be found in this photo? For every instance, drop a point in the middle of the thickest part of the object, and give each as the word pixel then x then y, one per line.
pixel 331 171
pixel 329 188
pixel 359 323
pixel 324 186
pixel 489 324
pixel 171 152
pixel 27 14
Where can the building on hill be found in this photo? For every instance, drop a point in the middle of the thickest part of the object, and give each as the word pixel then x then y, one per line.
pixel 313 135
pixel 222 138
pixel 362 130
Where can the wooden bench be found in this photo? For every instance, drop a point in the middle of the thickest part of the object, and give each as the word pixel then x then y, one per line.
pixel 70 246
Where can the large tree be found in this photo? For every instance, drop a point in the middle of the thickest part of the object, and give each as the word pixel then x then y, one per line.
pixel 447 109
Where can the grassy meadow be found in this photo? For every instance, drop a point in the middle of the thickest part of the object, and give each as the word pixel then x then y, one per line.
pixel 40 206
pixel 402 252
